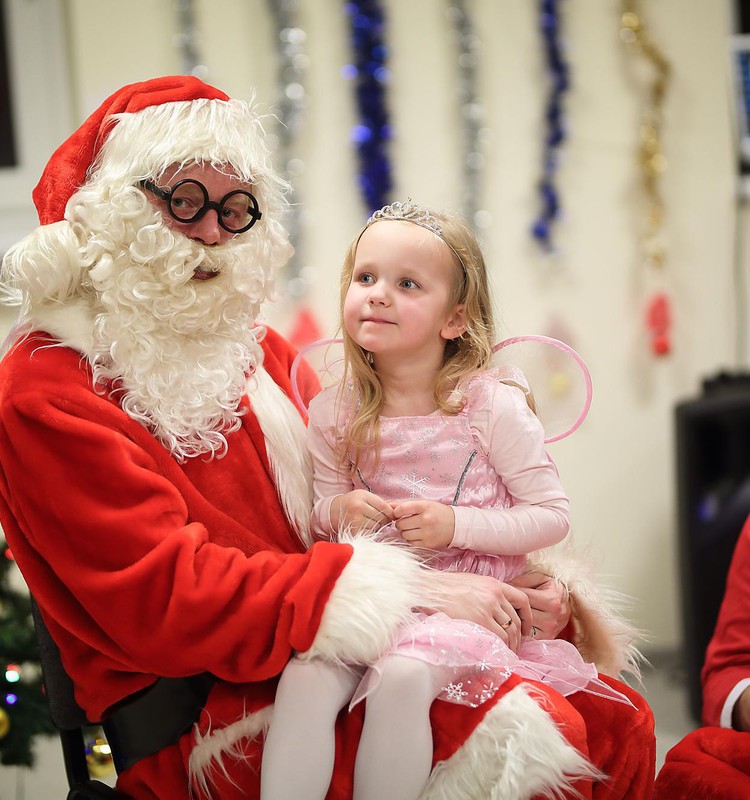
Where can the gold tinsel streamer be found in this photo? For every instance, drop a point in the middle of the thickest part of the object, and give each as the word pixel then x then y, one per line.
pixel 652 164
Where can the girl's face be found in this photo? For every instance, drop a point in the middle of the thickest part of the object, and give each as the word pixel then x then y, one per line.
pixel 399 301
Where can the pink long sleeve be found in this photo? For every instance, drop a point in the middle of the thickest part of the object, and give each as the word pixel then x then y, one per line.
pixel 329 479
pixel 513 438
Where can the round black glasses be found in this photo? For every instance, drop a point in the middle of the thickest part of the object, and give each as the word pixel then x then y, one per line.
pixel 188 201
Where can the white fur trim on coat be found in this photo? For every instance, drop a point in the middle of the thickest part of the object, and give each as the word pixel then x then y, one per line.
pixel 515 753
pixel 602 634
pixel 284 432
pixel 72 323
pixel 210 749
pixel 372 599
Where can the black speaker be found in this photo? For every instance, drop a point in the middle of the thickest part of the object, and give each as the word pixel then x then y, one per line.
pixel 713 498
pixel 741 16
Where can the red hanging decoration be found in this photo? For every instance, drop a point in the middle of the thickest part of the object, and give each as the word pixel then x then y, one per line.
pixel 659 323
pixel 652 163
pixel 305 328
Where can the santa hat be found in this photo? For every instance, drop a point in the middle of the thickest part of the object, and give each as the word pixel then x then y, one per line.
pixel 67 168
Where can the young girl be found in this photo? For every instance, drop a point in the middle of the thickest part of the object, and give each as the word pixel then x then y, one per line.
pixel 425 444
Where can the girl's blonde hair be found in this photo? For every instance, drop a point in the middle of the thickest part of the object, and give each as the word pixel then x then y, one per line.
pixel 464 356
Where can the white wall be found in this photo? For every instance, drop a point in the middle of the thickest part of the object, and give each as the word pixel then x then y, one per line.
pixel 619 467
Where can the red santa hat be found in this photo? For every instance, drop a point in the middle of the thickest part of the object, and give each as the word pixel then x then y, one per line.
pixel 67 168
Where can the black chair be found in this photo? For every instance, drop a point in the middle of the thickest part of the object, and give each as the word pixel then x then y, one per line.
pixel 70 720
pixel 140 726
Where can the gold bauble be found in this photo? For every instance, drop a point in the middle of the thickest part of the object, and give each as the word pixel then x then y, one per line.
pixel 99 760
pixel 560 383
pixel 4 723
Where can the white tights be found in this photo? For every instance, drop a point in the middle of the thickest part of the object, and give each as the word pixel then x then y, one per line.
pixel 395 752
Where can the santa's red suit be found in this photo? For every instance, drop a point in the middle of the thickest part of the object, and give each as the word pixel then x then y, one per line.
pixel 714 761
pixel 148 564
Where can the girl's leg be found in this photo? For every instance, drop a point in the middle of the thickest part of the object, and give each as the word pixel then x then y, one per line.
pixel 299 746
pixel 395 752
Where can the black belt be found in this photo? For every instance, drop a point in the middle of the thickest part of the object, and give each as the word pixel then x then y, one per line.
pixel 154 718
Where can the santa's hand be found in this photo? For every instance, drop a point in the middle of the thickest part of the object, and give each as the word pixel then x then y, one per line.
pixel 425 523
pixel 360 510
pixel 497 606
pixel 549 600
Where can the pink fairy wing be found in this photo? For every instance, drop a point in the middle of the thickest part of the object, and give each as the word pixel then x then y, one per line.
pixel 557 376
pixel 554 372
pixel 326 357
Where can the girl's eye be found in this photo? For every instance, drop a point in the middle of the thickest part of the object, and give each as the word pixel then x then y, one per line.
pixel 364 278
pixel 408 283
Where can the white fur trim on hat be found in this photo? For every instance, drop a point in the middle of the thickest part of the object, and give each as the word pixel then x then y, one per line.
pixel 225 133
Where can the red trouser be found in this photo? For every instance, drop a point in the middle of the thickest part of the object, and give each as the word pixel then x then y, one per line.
pixel 618 739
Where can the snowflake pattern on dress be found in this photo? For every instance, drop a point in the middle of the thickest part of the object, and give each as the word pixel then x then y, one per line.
pixel 454 692
pixel 413 484
pixel 439 458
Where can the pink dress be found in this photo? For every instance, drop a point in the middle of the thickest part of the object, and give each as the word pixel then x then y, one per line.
pixel 489 463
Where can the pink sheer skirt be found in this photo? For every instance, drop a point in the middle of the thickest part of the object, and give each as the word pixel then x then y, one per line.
pixel 473 663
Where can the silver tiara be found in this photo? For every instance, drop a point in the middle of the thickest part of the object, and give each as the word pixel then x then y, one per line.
pixel 410 212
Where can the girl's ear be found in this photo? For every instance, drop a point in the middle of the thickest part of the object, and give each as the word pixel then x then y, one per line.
pixel 455 325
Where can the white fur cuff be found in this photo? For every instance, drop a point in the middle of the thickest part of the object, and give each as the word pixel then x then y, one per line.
pixel 374 596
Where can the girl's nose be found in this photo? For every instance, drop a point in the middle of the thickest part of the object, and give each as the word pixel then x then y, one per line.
pixel 377 296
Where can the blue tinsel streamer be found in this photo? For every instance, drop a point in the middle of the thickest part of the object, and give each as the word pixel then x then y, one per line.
pixel 555 131
pixel 370 73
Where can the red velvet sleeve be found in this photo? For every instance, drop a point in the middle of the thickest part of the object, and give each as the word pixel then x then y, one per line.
pixel 279 358
pixel 103 537
pixel 728 654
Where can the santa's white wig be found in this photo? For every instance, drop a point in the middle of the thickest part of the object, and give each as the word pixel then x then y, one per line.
pixel 125 148
pixel 113 280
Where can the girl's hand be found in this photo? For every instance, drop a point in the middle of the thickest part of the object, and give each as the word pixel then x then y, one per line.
pixel 549 600
pixel 360 510
pixel 425 523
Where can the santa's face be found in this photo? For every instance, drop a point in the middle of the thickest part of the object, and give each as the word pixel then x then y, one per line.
pixel 206 229
pixel 175 314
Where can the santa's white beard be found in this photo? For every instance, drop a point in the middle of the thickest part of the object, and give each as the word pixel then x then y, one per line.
pixel 176 350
